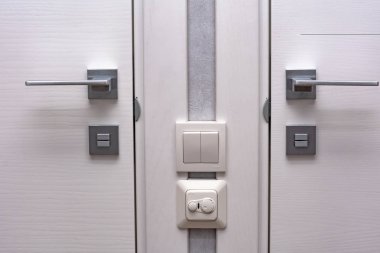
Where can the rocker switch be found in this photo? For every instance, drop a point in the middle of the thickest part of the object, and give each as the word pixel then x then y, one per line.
pixel 191 147
pixel 209 147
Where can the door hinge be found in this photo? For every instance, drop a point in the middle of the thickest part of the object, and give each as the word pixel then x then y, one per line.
pixel 137 109
pixel 267 110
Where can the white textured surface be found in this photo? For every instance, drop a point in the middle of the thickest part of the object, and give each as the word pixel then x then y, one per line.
pixel 165 103
pixel 238 104
pixel 330 202
pixel 54 197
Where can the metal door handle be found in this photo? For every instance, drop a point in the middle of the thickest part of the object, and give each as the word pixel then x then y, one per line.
pixel 301 84
pixel 102 83
pixel 106 83
pixel 308 83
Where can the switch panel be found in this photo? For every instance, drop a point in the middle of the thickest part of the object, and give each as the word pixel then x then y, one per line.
pixel 191 147
pixel 201 146
pixel 209 147
pixel 300 140
pixel 104 140
pixel 201 203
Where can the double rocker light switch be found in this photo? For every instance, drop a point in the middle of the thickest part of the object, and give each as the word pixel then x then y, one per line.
pixel 201 146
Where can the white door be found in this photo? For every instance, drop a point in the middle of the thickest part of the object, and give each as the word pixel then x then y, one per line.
pixel 330 201
pixel 54 196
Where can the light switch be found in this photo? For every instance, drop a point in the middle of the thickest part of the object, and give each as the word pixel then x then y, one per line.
pixel 191 147
pixel 209 147
pixel 201 146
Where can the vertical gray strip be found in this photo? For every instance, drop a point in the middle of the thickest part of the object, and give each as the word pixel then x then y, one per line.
pixel 201 59
pixel 202 240
pixel 201 92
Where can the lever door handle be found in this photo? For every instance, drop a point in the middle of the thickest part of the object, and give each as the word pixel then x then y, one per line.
pixel 102 83
pixel 301 84
pixel 307 83
pixel 106 83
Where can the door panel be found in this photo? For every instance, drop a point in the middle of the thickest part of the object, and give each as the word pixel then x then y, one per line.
pixel 237 95
pixel 54 196
pixel 327 202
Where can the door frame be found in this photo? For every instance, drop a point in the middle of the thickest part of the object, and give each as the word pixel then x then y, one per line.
pixel 265 94
pixel 139 131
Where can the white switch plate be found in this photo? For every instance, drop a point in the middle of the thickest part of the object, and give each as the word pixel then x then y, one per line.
pixel 200 188
pixel 215 159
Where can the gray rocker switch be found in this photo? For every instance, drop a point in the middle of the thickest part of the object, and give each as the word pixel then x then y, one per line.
pixel 104 140
pixel 300 140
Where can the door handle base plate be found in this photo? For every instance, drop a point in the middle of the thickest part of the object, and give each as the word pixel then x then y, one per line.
pixel 306 74
pixel 102 93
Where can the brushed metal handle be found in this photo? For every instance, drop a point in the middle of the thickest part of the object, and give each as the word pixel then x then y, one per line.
pixel 302 84
pixel 102 83
pixel 98 83
pixel 307 83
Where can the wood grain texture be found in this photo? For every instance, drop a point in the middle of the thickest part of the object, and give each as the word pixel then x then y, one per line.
pixel 238 93
pixel 165 85
pixel 54 197
pixel 330 202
